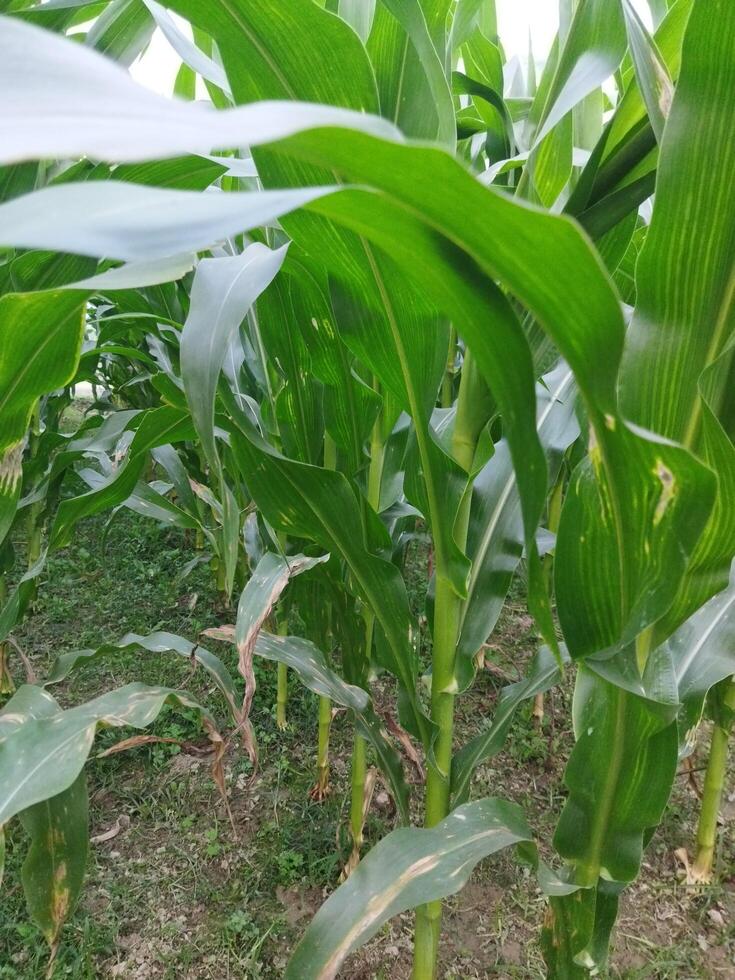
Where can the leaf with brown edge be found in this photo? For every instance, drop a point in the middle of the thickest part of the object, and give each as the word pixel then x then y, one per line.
pixel 407 868
pixel 270 578
pixel 53 871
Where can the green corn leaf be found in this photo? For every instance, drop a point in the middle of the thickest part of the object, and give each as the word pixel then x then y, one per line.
pixel 158 642
pixel 312 502
pixel 410 15
pixel 633 590
pixel 673 376
pixel 593 49
pixel 623 165
pixel 223 291
pixel 275 41
pixel 619 779
pixel 122 31
pixel 377 314
pixel 703 654
pixel 359 15
pixel 41 757
pixel 147 501
pixel 53 871
pixel 350 406
pixel 309 663
pixel 613 804
pixel 129 221
pixel 40 340
pixel 17 602
pixel 403 88
pixel 189 53
pixel 653 78
pixel 156 427
pixel 407 868
pixel 632 111
pixel 53 77
pixel 187 173
pixel 169 459
pixel 298 404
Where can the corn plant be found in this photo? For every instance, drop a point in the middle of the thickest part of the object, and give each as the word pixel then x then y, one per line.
pixel 434 219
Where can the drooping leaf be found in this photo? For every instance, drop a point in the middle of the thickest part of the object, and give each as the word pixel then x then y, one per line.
pixel 158 642
pixel 53 871
pixel 52 77
pixel 320 504
pixel 407 868
pixel 189 53
pixel 309 663
pixel 41 757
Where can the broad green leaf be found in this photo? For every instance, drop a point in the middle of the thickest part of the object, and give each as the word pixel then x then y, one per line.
pixel 410 15
pixel 407 868
pixel 137 275
pixel 401 344
pixel 223 291
pixel 405 94
pixel 147 501
pixel 619 779
pixel 621 172
pixel 185 173
pixel 42 757
pixel 52 77
pixel 40 340
pixel 592 51
pixel 576 931
pixel 274 42
pixel 631 111
pixel 350 406
pixel 678 346
pixel 37 270
pixel 53 871
pixel 298 403
pixel 629 473
pixel 130 221
pixel 470 15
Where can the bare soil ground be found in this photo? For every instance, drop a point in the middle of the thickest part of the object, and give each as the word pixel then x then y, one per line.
pixel 173 893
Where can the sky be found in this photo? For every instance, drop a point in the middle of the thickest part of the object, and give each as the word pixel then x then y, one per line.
pixel 516 19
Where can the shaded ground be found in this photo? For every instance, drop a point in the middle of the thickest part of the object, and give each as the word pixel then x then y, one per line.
pixel 174 894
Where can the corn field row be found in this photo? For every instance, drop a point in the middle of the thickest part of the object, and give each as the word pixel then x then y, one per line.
pixel 364 277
